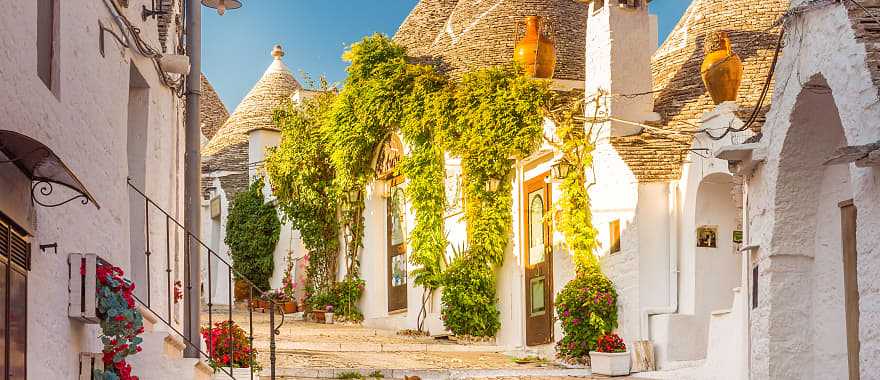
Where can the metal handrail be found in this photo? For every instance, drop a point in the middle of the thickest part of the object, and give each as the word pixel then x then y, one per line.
pixel 171 222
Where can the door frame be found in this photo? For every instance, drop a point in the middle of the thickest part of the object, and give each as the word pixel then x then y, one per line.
pixel 537 182
pixel 396 307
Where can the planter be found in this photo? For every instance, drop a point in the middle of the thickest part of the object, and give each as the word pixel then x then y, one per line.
pixel 328 318
pixel 88 363
pixel 318 316
pixel 610 363
pixel 290 307
pixel 82 290
pixel 237 374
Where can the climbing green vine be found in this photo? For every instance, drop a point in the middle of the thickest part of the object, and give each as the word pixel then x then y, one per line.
pixel 575 220
pixel 252 229
pixel 302 178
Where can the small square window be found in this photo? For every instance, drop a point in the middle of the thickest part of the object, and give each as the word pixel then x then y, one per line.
pixel 614 228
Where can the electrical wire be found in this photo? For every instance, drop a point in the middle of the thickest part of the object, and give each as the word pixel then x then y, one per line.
pixel 132 36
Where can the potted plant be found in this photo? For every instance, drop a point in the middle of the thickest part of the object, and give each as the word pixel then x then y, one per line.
pixel 611 357
pixel 288 287
pixel 328 314
pixel 230 351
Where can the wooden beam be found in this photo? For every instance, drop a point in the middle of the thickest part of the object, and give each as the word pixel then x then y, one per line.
pixel 849 154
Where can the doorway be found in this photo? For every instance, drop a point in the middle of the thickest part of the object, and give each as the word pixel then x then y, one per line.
pixel 397 276
pixel 538 262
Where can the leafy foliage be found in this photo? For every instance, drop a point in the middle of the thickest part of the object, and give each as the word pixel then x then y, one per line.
pixel 121 322
pixel 228 346
pixel 575 220
pixel 587 307
pixel 610 343
pixel 469 298
pixel 302 178
pixel 342 297
pixel 252 230
pixel 496 116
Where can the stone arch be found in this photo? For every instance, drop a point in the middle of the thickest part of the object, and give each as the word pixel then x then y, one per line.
pixel 804 272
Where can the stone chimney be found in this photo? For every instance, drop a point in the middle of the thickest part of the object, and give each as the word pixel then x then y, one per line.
pixel 621 37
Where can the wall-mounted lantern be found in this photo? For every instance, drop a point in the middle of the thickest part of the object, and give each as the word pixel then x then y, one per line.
pixel 354 195
pixel 222 5
pixel 493 184
pixel 561 169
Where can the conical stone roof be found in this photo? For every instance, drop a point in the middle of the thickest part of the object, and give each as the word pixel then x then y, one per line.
pixel 682 98
pixel 212 110
pixel 228 149
pixel 467 34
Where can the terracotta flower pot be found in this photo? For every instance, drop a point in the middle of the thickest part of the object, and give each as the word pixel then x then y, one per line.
pixel 535 52
pixel 318 316
pixel 289 307
pixel 722 69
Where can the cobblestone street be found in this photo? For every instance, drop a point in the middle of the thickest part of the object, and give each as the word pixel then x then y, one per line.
pixel 309 350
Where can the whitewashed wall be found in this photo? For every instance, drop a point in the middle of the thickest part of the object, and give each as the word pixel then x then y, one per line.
pixel 85 123
pixel 787 192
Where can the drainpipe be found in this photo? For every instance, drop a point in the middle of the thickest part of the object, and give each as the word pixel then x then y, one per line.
pixel 672 254
pixel 192 173
pixel 746 278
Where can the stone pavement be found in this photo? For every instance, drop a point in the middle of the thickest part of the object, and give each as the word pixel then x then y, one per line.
pixel 307 350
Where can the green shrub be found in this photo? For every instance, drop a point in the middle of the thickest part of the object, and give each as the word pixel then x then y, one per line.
pixel 587 307
pixel 251 233
pixel 344 297
pixel 469 298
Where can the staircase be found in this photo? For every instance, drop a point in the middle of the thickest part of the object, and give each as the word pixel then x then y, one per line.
pixel 162 354
pixel 164 343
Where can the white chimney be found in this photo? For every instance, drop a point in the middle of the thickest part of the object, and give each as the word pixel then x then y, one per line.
pixel 621 37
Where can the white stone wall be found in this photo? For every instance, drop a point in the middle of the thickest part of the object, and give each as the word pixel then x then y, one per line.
pixel 85 123
pixel 614 196
pixel 784 325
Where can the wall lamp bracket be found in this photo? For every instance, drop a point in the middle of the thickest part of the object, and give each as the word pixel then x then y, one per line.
pixel 53 247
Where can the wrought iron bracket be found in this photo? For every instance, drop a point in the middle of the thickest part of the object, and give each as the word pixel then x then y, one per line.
pixel 46 188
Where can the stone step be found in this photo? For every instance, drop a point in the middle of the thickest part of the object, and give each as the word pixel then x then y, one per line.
pixel 287 346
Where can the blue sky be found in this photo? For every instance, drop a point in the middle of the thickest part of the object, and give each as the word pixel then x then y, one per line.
pixel 314 33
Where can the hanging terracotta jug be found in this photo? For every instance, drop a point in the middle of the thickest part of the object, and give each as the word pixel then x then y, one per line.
pixel 535 52
pixel 722 69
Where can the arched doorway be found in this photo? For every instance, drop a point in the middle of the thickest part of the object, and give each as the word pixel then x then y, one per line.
pixel 717 264
pixel 812 323
pixel 387 161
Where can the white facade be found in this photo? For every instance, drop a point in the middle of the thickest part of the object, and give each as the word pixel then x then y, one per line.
pixel 825 98
pixel 108 118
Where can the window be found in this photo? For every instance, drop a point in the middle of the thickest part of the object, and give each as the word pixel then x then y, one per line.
pixel 615 236
pixel 46 41
pixel 631 3
pixel 14 266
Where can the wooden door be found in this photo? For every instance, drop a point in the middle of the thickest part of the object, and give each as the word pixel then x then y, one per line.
pixel 538 256
pixel 397 275
pixel 850 285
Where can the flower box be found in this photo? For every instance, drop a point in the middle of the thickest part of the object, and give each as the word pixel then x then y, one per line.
pixel 82 288
pixel 237 374
pixel 88 363
pixel 610 363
